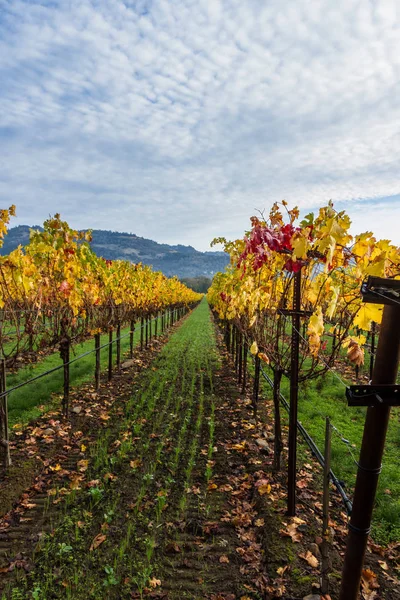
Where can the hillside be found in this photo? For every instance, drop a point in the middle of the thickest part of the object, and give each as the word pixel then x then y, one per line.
pixel 183 261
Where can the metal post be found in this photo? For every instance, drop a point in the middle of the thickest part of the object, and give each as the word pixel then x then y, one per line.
pixel 131 338
pixel 4 433
pixel 278 444
pixel 118 347
pixel 110 349
pixel 294 394
pixel 325 510
pixel 372 353
pixel 256 385
pixel 376 422
pixel 240 359
pixel 97 368
pixel 64 351
pixel 237 350
pixel 245 350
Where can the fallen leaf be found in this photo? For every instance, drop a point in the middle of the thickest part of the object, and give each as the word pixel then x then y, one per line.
pixel 99 539
pixel 223 559
pixel 310 559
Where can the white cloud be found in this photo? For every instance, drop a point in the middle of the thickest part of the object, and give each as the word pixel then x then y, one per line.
pixel 175 120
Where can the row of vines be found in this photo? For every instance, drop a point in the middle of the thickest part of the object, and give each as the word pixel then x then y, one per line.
pixel 292 294
pixel 256 293
pixel 56 291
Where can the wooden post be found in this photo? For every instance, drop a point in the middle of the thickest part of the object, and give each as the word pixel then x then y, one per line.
pixel 110 351
pixel 119 347
pixel 294 394
pixel 131 338
pixel 141 333
pixel 64 352
pixel 325 570
pixel 375 428
pixel 97 367
pixel 4 433
pixel 147 331
pixel 156 324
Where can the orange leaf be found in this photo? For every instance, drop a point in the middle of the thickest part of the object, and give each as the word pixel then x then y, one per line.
pixel 99 539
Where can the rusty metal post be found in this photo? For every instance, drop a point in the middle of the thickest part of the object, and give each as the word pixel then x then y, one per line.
pixel 325 567
pixel 131 338
pixel 64 352
pixel 97 367
pixel 376 423
pixel 256 384
pixel 278 444
pixel 4 433
pixel 244 380
pixel 372 353
pixel 240 359
pixel 110 350
pixel 119 347
pixel 294 394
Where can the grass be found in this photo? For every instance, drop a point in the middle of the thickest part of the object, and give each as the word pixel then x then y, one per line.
pixel 158 433
pixel 325 397
pixel 32 400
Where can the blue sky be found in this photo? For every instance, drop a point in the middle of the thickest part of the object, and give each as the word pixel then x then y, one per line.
pixel 176 119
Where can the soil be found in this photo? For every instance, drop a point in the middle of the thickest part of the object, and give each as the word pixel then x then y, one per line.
pixel 229 540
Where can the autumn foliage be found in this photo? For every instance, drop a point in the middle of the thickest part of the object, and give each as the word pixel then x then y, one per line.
pixel 59 278
pixel 257 286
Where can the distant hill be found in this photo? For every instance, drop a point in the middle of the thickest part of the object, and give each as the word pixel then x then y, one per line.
pixel 182 261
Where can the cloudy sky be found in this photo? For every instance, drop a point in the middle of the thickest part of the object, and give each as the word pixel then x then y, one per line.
pixel 176 119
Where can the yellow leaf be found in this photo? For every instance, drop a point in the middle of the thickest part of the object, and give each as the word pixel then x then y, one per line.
pixel 254 348
pixel 299 244
pixel 367 314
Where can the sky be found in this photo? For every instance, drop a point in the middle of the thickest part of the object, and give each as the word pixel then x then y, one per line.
pixel 178 119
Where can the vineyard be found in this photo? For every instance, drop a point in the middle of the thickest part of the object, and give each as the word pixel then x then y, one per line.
pixel 157 443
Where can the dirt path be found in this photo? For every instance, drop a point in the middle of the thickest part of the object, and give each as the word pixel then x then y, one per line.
pixel 166 491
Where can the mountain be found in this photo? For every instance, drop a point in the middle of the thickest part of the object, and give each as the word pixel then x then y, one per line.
pixel 183 261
